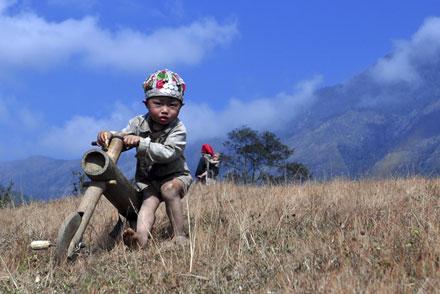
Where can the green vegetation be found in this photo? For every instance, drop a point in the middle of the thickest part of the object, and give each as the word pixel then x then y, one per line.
pixel 254 157
pixel 11 198
pixel 80 182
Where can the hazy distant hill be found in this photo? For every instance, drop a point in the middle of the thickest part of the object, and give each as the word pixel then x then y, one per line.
pixel 360 128
pixel 41 178
pixel 365 127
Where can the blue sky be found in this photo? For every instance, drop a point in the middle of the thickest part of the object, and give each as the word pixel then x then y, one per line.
pixel 70 68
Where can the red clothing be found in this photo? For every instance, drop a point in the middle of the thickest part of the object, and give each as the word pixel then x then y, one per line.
pixel 207 149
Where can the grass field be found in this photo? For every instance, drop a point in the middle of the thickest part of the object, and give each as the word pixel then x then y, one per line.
pixel 339 236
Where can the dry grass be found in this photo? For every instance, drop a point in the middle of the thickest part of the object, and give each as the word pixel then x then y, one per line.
pixel 341 236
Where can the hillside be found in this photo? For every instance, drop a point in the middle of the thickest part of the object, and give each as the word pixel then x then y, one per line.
pixel 43 178
pixel 341 236
pixel 363 127
pixel 40 177
pixel 368 128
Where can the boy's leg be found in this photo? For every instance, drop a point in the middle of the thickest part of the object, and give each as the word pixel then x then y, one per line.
pixel 171 192
pixel 145 219
pixel 146 215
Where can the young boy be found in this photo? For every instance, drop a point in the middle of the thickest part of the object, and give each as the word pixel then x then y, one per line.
pixel 161 170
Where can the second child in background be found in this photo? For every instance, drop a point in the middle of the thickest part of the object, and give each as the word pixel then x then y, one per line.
pixel 208 167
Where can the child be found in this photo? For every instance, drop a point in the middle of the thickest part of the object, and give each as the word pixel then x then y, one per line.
pixel 215 165
pixel 208 167
pixel 161 170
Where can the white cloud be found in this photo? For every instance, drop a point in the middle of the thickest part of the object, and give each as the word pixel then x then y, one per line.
pixel 15 116
pixel 30 41
pixel 29 119
pixel 74 137
pixel 266 113
pixel 20 127
pixel 30 134
pixel 26 132
pixel 401 65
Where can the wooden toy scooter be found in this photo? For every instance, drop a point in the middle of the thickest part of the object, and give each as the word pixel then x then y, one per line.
pixel 106 179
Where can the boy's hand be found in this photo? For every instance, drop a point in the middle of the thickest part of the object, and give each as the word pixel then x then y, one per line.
pixel 132 140
pixel 103 138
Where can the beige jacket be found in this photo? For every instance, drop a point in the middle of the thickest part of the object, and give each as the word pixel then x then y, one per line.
pixel 159 154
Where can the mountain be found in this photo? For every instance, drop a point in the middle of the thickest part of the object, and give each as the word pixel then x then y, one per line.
pixel 363 127
pixel 43 178
pixel 366 127
pixel 40 177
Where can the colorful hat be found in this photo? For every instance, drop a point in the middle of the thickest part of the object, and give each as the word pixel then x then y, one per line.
pixel 164 83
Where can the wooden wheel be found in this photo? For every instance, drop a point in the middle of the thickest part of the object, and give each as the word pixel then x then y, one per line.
pixel 65 235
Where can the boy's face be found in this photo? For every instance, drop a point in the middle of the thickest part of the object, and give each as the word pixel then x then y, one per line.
pixel 163 110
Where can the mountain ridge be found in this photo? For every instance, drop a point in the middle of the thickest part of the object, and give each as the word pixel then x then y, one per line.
pixel 361 128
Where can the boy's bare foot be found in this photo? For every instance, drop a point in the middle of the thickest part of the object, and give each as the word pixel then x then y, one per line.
pixel 131 239
pixel 178 241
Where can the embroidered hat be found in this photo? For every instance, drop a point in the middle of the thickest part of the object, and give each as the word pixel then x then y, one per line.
pixel 164 83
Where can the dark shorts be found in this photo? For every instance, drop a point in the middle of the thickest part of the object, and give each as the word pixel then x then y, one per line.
pixel 154 187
